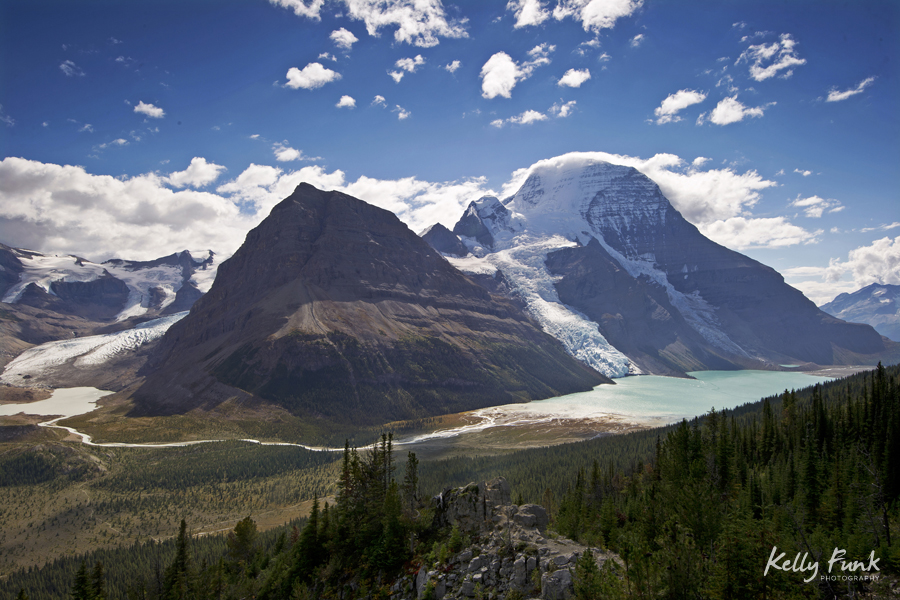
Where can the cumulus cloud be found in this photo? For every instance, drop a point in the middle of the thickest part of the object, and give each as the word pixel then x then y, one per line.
pixel 501 73
pixel 284 153
pixel 452 67
pixel 814 206
pixel 574 78
pixel 343 38
pixel 421 23
pixel 804 173
pixel 64 209
pixel 150 110
pixel 741 233
pixel 116 142
pixel 596 15
pixel 878 262
pixel 346 102
pixel 326 56
pixel 667 112
pixel 637 40
pixel 766 60
pixel 731 110
pixel 409 65
pixel 562 110
pixel 302 8
pixel 312 76
pixel 379 101
pixel 71 69
pixel 199 173
pixel 835 96
pixel 528 117
pixel 528 12
pixel 86 127
pixel 402 113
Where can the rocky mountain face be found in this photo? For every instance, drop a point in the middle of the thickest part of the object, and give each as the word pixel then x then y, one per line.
pixel 608 266
pixel 513 552
pixel 115 290
pixel 877 305
pixel 335 310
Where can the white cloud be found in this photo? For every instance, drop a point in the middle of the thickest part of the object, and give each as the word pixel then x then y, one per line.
pixel 528 12
pixel 326 56
pixel 574 77
pixel 700 161
pixel 87 127
pixel 313 76
pixel 767 60
pixel 498 123
pixel 804 173
pixel 346 102
pixel 637 40
pixel 420 23
pixel 343 38
pixel 501 73
pixel 116 142
pixel 876 263
pixel 284 153
pixel 71 69
pixel 835 96
pixel 406 64
pixel 452 67
pixel 562 110
pixel 528 117
pixel 402 113
pixel 379 101
pixel 198 174
pixel 731 110
pixel 604 58
pixel 302 8
pixel 882 227
pixel 667 112
pixel 814 206
pixel 499 76
pixel 741 233
pixel 596 15
pixel 540 54
pixel 150 110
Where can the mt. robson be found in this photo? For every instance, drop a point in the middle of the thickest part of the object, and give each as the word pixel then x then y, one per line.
pixel 604 262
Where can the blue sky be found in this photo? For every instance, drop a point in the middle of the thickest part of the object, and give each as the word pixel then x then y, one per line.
pixel 137 129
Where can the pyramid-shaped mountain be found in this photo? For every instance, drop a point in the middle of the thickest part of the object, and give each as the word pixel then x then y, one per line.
pixel 335 310
pixel 607 265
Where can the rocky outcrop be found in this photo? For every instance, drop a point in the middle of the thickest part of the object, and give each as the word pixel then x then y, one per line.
pixel 511 550
pixel 334 309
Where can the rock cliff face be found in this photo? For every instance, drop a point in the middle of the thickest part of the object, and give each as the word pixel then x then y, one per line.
pixel 512 551
pixel 659 297
pixel 877 305
pixel 335 310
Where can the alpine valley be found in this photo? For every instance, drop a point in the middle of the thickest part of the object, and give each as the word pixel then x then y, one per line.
pixel 333 317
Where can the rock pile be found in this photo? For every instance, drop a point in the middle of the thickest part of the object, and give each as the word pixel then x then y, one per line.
pixel 511 553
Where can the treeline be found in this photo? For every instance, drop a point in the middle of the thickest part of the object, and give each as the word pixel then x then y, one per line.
pixel 809 472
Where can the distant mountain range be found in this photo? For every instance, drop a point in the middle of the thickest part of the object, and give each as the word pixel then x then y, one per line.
pixel 876 304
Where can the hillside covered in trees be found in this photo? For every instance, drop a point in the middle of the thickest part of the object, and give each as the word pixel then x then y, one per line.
pixel 694 510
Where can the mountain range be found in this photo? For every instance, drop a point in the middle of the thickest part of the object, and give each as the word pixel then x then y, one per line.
pixel 336 312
